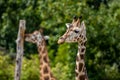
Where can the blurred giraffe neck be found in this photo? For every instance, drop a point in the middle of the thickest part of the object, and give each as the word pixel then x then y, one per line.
pixel 81 72
pixel 45 70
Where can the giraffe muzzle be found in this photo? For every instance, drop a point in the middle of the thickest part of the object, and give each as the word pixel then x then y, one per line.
pixel 61 40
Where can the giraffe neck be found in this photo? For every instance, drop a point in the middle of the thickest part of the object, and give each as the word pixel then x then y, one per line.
pixel 45 71
pixel 81 73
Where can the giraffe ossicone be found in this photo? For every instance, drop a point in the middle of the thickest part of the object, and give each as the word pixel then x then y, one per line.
pixel 37 38
pixel 76 32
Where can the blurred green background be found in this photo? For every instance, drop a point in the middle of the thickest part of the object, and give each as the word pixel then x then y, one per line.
pixel 102 18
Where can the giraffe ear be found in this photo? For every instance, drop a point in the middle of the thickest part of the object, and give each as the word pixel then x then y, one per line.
pixel 46 37
pixel 83 27
pixel 83 24
pixel 68 25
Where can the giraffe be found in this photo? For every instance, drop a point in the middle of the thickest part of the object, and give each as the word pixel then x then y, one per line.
pixel 76 32
pixel 37 38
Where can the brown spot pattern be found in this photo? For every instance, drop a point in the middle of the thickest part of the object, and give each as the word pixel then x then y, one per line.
pixel 84 38
pixel 82 44
pixel 40 67
pixel 43 51
pixel 80 67
pixel 82 56
pixel 83 49
pixel 78 38
pixel 82 77
pixel 39 48
pixel 51 74
pixel 45 59
pixel 45 69
pixel 41 62
pixel 79 35
pixel 75 37
pixel 76 73
pixel 46 78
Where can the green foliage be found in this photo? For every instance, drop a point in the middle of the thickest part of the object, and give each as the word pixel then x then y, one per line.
pixel 103 47
pixel 63 72
pixel 30 68
pixel 6 68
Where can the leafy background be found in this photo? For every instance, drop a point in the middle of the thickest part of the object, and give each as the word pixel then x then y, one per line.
pixel 102 18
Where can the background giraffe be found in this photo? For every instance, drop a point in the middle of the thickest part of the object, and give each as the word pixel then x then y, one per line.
pixel 76 32
pixel 37 38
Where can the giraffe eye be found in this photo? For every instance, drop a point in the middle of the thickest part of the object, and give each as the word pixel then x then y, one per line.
pixel 76 31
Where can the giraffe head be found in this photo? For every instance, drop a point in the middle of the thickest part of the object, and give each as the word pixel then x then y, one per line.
pixel 35 37
pixel 75 32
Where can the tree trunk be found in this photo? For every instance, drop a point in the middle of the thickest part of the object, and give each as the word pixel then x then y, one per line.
pixel 20 49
